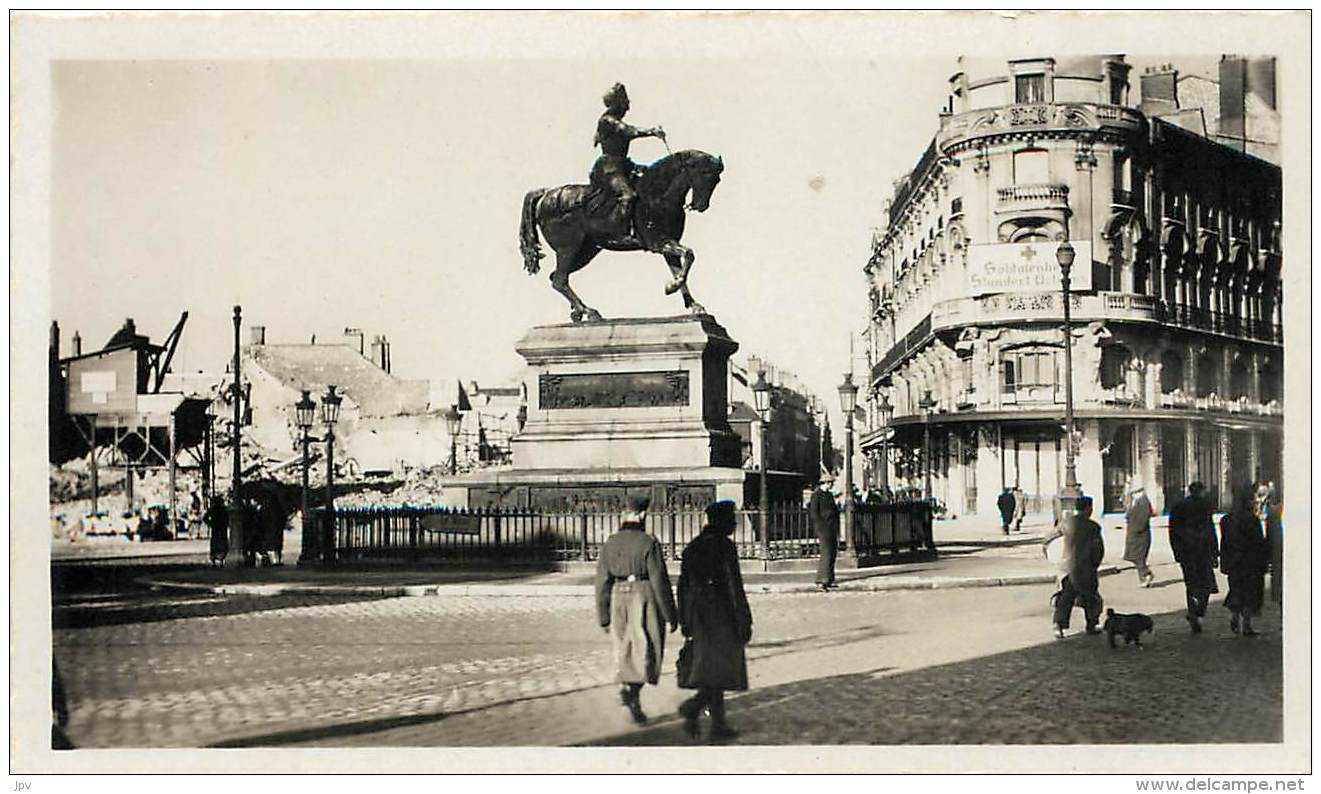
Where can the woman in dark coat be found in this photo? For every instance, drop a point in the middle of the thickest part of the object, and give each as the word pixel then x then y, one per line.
pixel 217 518
pixel 1137 537
pixel 1245 555
pixel 714 616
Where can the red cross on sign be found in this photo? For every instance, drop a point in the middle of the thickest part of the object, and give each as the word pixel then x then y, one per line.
pixel 1029 253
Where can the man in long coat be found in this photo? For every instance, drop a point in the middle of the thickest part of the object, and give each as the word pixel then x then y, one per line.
pixel 1137 537
pixel 1245 556
pixel 714 615
pixel 1007 505
pixel 824 515
pixel 1193 541
pixel 1083 552
pixel 634 602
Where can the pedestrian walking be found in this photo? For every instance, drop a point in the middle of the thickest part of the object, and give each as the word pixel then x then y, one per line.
pixel 716 622
pixel 217 518
pixel 634 602
pixel 1007 506
pixel 1137 533
pixel 824 515
pixel 1272 517
pixel 1193 540
pixel 1020 508
pixel 1245 556
pixel 1080 556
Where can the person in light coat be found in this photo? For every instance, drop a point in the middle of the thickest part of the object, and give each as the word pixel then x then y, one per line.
pixel 634 602
pixel 1137 534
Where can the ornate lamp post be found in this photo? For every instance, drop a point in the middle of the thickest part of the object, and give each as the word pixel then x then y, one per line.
pixel 305 411
pixel 761 395
pixel 1070 492
pixel 329 416
pixel 239 559
pixel 926 404
pixel 454 423
pixel 848 400
pixel 887 413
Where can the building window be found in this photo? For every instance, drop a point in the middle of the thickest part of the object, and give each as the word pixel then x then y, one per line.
pixel 1029 88
pixel 1208 375
pixel 1114 366
pixel 1031 167
pixel 1030 373
pixel 1171 372
pixel 1238 381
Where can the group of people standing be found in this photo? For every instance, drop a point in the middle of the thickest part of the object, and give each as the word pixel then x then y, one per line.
pixel 265 519
pixel 1249 546
pixel 636 604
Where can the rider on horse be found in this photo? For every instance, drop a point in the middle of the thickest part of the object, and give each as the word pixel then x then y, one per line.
pixel 613 170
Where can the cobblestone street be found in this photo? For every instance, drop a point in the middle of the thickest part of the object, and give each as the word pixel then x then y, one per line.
pixel 956 666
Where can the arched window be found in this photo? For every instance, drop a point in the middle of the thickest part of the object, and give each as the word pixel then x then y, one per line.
pixel 1171 372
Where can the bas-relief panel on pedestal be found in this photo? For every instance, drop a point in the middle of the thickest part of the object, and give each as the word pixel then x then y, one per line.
pixel 614 390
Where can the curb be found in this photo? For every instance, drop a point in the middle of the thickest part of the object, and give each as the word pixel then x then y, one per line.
pixel 486 590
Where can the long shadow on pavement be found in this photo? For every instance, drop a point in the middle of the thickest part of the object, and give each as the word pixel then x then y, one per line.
pixel 320 733
pixel 147 607
pixel 1182 688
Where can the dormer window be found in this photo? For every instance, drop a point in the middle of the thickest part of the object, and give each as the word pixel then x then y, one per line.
pixel 1032 80
pixel 1029 89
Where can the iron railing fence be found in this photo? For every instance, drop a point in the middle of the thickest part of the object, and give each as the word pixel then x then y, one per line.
pixel 439 533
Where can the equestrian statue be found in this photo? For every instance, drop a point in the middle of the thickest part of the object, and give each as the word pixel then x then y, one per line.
pixel 624 207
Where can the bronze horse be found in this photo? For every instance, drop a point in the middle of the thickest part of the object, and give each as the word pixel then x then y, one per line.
pixel 576 234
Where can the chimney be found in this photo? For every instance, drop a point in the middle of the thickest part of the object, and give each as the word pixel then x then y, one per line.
pixel 1261 79
pixel 1233 92
pixel 378 351
pixel 54 340
pixel 352 333
pixel 77 344
pixel 258 335
pixel 1160 90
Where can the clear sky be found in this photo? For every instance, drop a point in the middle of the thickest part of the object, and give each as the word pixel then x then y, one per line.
pixel 385 195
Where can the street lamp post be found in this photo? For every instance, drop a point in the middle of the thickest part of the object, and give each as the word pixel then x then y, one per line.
pixel 329 416
pixel 761 395
pixel 887 412
pixel 305 411
pixel 1071 491
pixel 454 422
pixel 236 528
pixel 926 404
pixel 848 400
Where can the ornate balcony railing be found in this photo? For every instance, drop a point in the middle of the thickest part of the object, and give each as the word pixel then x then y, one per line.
pixel 1023 197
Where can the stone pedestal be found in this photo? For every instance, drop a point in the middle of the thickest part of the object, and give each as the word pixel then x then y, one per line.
pixel 619 406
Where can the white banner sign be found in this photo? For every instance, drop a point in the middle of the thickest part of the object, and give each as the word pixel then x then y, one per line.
pixel 1026 267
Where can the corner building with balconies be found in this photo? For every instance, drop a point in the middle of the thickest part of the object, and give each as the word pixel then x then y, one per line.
pixel 1174 211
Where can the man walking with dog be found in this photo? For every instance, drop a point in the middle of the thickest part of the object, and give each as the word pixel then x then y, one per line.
pixel 1082 553
pixel 1193 541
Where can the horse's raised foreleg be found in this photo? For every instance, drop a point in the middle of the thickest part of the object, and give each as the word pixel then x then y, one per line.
pixel 684 257
pixel 679 269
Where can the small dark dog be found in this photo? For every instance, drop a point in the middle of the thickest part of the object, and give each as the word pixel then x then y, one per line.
pixel 1131 626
